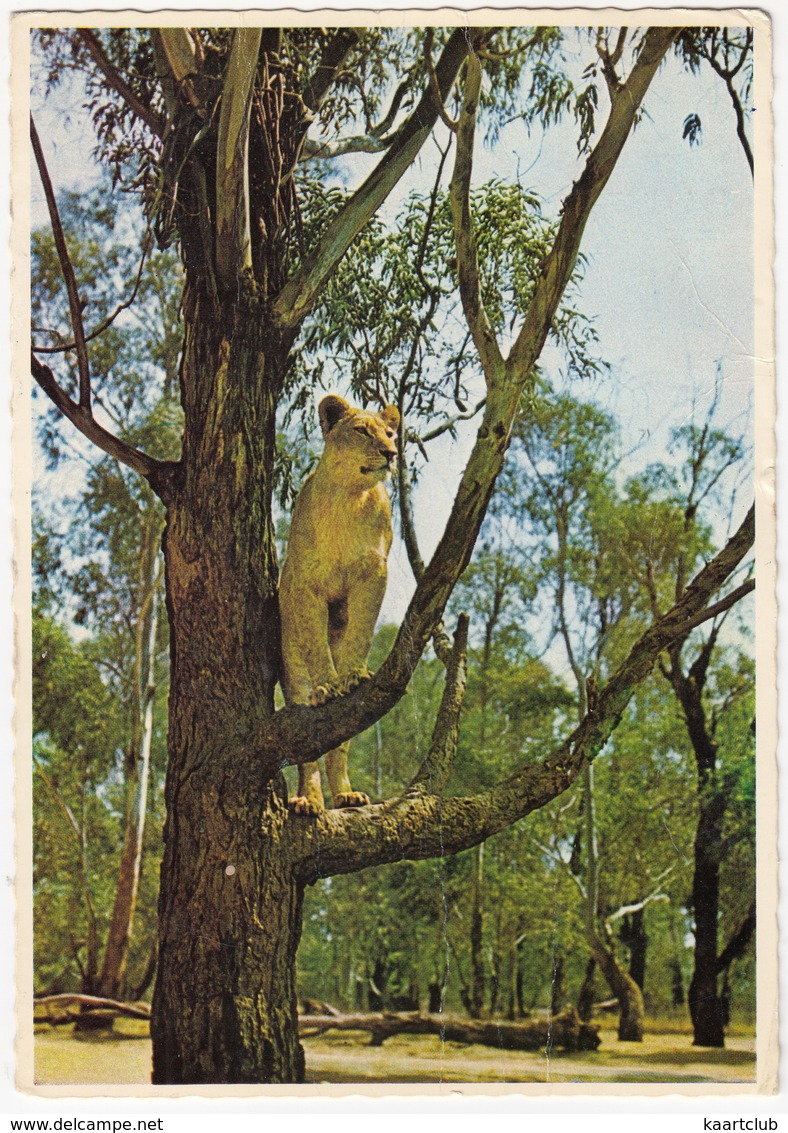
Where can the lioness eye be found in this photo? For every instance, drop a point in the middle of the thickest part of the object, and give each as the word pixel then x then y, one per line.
pixel 362 429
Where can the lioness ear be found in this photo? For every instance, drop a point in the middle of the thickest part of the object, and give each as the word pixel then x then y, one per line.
pixel 331 410
pixel 391 416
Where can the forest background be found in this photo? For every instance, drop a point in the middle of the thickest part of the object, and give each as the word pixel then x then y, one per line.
pixel 489 595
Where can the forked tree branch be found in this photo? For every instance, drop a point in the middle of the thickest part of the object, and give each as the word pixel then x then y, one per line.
pixel 434 826
pixel 303 290
pixel 105 323
pixel 161 474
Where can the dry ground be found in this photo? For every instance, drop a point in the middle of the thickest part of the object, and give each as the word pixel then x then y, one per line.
pixel 663 1057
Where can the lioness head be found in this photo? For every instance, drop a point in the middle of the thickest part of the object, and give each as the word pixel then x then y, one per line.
pixel 361 443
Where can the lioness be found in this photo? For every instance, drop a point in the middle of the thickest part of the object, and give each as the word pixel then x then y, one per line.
pixel 334 576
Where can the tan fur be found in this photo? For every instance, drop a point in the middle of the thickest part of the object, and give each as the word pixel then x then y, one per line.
pixel 334 576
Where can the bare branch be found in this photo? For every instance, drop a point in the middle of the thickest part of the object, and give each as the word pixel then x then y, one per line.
pixel 626 910
pixel 556 857
pixel 117 83
pixel 435 771
pixel 387 121
pixel 449 424
pixel 74 302
pixel 326 151
pixel 161 474
pixel 464 235
pixel 110 319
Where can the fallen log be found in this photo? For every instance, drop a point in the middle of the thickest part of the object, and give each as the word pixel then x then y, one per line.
pixel 565 1031
pixel 56 1008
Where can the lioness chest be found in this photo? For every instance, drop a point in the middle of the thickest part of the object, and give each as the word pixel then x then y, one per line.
pixel 340 537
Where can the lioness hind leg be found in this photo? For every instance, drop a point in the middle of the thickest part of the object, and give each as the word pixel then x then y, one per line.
pixel 309 799
pixel 342 794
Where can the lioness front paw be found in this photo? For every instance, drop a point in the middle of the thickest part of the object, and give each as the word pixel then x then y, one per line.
pixel 321 693
pixel 351 798
pixel 354 679
pixel 300 804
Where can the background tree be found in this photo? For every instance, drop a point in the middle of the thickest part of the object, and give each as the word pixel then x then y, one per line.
pixel 105 573
pixel 220 122
pixel 707 460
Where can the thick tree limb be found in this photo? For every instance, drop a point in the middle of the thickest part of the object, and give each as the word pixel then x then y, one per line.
pixel 161 474
pixel 117 83
pixel 434 826
pixel 233 226
pixel 303 290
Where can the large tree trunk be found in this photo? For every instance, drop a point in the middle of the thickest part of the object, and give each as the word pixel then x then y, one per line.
pixel 631 1018
pixel 634 935
pixel 705 1003
pixel 224 1006
pixel 585 1000
pixel 224 1009
pixel 476 935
